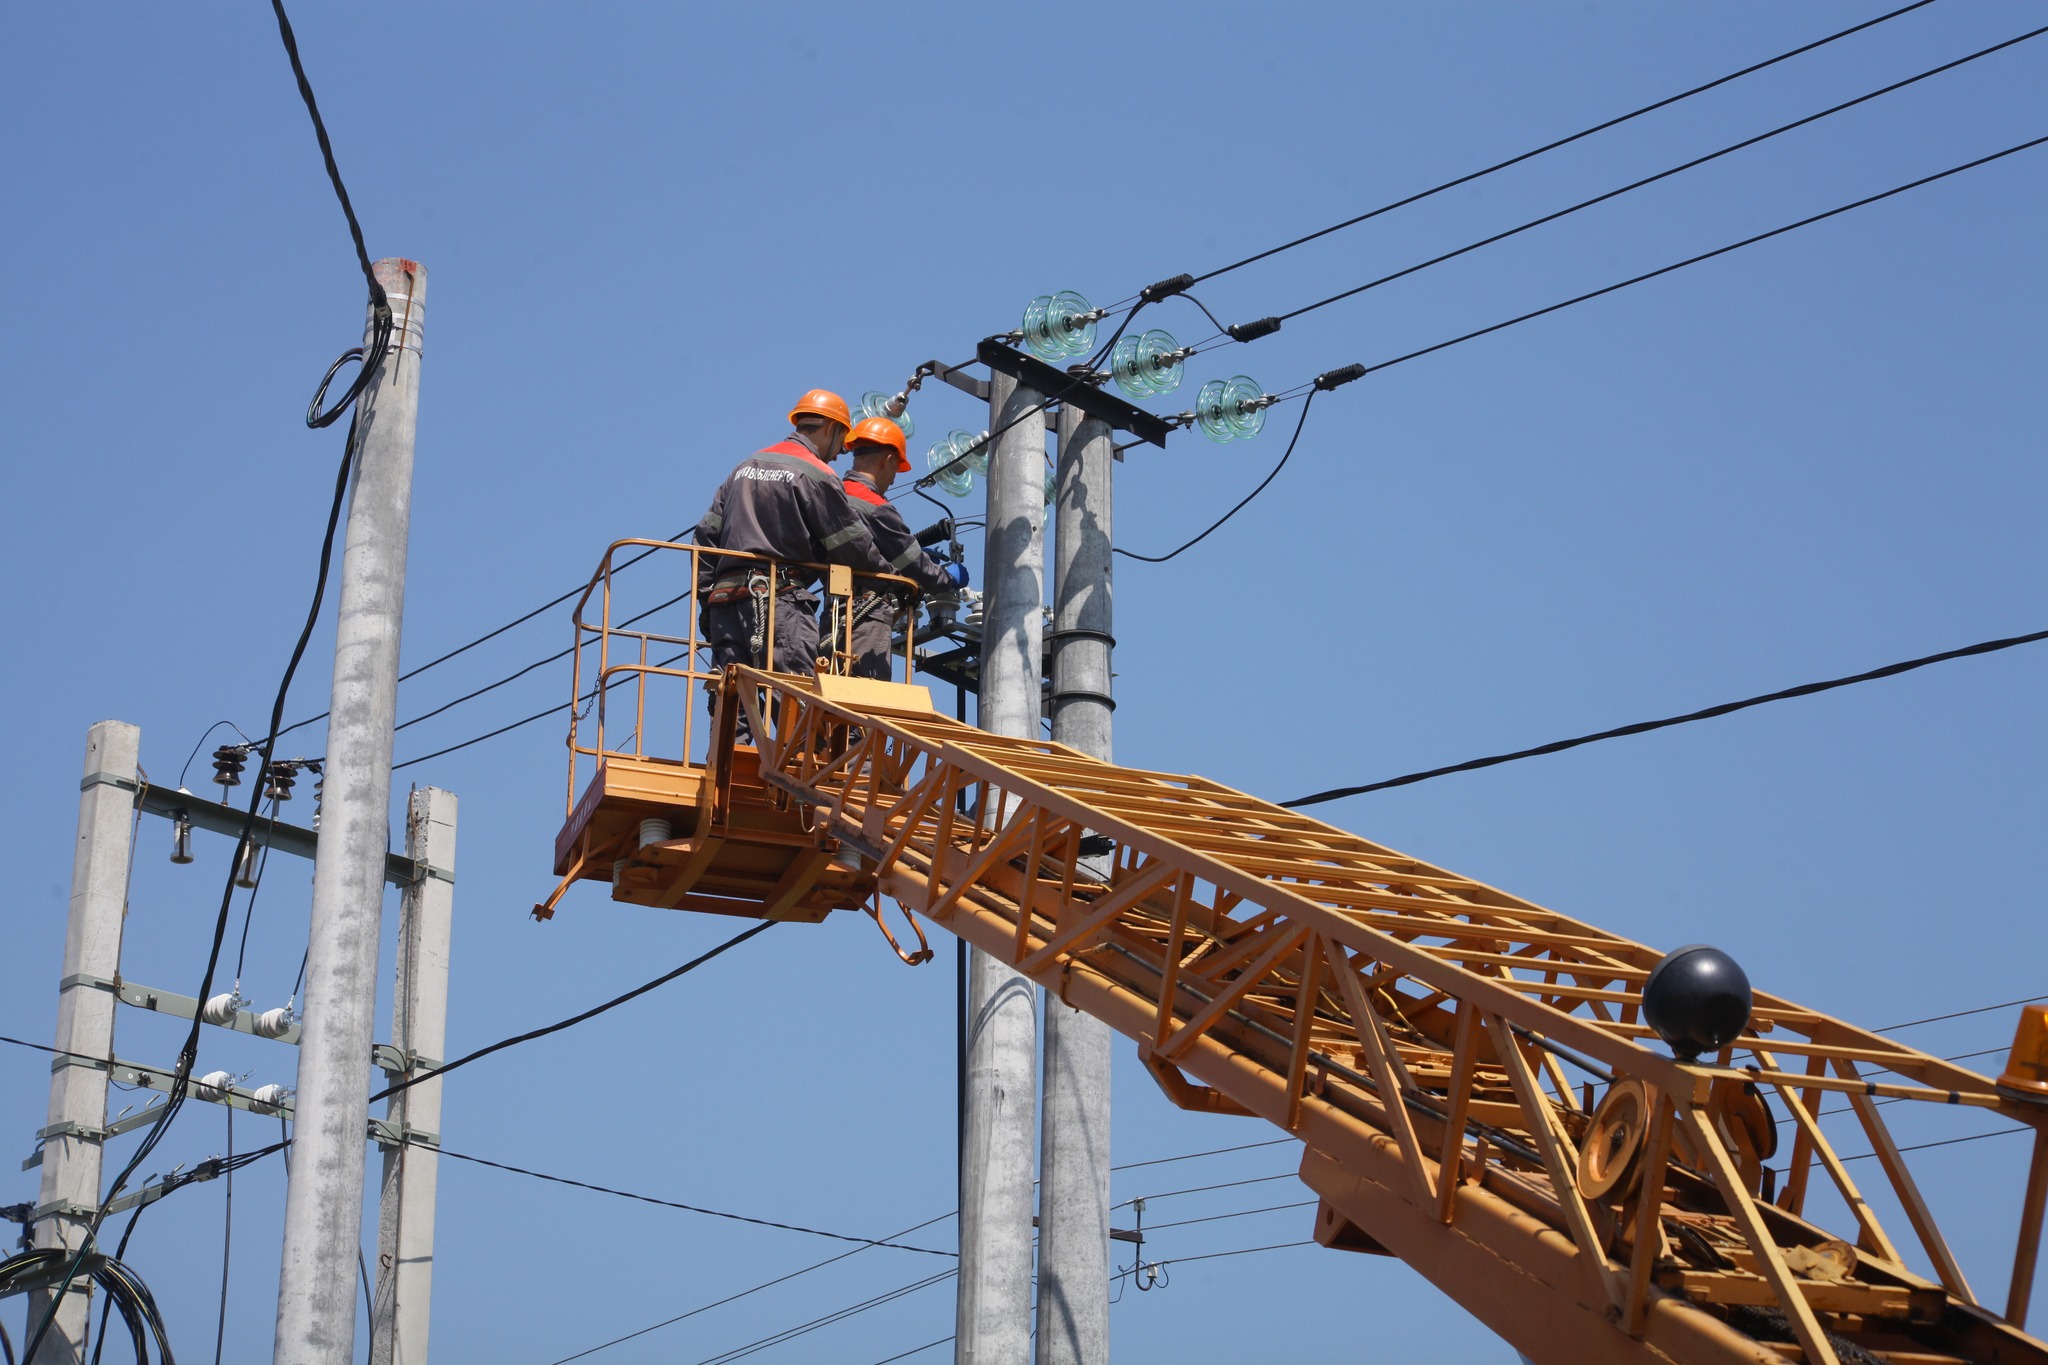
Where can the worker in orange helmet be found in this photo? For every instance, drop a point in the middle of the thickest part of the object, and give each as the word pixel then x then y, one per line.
pixel 878 457
pixel 784 504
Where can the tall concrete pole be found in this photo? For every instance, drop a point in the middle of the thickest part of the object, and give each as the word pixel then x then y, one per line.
pixel 993 1315
pixel 1073 1152
pixel 85 1021
pixel 323 1212
pixel 419 1026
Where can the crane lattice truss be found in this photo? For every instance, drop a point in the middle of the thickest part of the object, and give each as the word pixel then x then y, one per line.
pixel 1411 1026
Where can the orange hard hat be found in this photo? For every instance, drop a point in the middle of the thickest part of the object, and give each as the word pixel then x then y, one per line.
pixel 822 403
pixel 880 431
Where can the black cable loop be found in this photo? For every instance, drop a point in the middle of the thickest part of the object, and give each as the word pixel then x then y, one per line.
pixel 315 418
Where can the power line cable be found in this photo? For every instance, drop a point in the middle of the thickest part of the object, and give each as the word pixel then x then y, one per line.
pixel 692 965
pixel 1214 1256
pixel 1214 1151
pixel 1242 503
pixel 1697 161
pixel 1963 1014
pixel 1708 255
pixel 488 635
pixel 1644 727
pixel 1945 1142
pixel 690 1208
pixel 1516 160
pixel 755 1289
pixel 1241 1213
pixel 915 1350
pixel 1323 383
pixel 836 1316
pixel 1358 371
pixel 1204 1189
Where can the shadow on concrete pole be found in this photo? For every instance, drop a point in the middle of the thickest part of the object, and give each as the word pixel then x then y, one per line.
pixel 323 1217
pixel 85 1021
pixel 993 1317
pixel 419 1028
pixel 1073 1152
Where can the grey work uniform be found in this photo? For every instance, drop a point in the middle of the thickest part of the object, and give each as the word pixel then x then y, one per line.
pixel 786 504
pixel 875 613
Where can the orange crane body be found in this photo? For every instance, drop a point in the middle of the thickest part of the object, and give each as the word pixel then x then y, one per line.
pixel 1410 1026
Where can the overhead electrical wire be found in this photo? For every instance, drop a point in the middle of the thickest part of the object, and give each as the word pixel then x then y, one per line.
pixel 1308 390
pixel 1646 726
pixel 1533 152
pixel 1211 1256
pixel 429 1073
pixel 1709 255
pixel 1223 338
pixel 690 1208
pixel 1047 402
pixel 1242 503
pixel 1305 390
pixel 576 591
pixel 827 1320
pixel 1363 370
pixel 744 1293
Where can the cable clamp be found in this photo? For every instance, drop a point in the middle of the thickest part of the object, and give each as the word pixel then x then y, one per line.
pixel 1331 379
pixel 1167 288
pixel 395 1061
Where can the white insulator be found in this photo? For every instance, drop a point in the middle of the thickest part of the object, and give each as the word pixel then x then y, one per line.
pixel 653 830
pixel 619 866
pixel 222 1010
pixel 214 1086
pixel 270 1099
pixel 273 1023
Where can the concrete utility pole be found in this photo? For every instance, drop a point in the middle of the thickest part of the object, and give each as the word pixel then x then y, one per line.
pixel 85 1022
pixel 316 1290
pixel 419 1028
pixel 993 1316
pixel 1073 1152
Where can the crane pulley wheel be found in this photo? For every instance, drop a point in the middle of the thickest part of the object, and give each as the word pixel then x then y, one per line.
pixel 1610 1159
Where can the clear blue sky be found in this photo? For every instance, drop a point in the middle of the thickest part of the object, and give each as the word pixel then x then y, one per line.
pixel 650 227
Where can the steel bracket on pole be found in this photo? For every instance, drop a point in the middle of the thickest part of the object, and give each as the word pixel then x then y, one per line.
pixel 30 1281
pixel 388 1133
pixel 125 1124
pixel 1043 379
pixel 957 376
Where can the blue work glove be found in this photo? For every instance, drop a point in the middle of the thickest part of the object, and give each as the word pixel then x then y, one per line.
pixel 957 575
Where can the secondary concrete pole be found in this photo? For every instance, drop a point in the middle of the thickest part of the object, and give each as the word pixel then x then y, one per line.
pixel 1073 1152
pixel 85 1022
pixel 419 1026
pixel 323 1212
pixel 993 1315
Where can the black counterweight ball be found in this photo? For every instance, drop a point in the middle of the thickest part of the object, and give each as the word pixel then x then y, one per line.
pixel 1697 999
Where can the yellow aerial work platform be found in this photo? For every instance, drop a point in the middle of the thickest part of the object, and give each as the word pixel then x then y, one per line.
pixel 671 831
pixel 1410 1026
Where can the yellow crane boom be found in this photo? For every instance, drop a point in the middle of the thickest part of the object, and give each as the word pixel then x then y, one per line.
pixel 1411 1026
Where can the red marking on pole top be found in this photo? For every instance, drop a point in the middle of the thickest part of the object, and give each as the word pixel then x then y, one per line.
pixel 409 267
